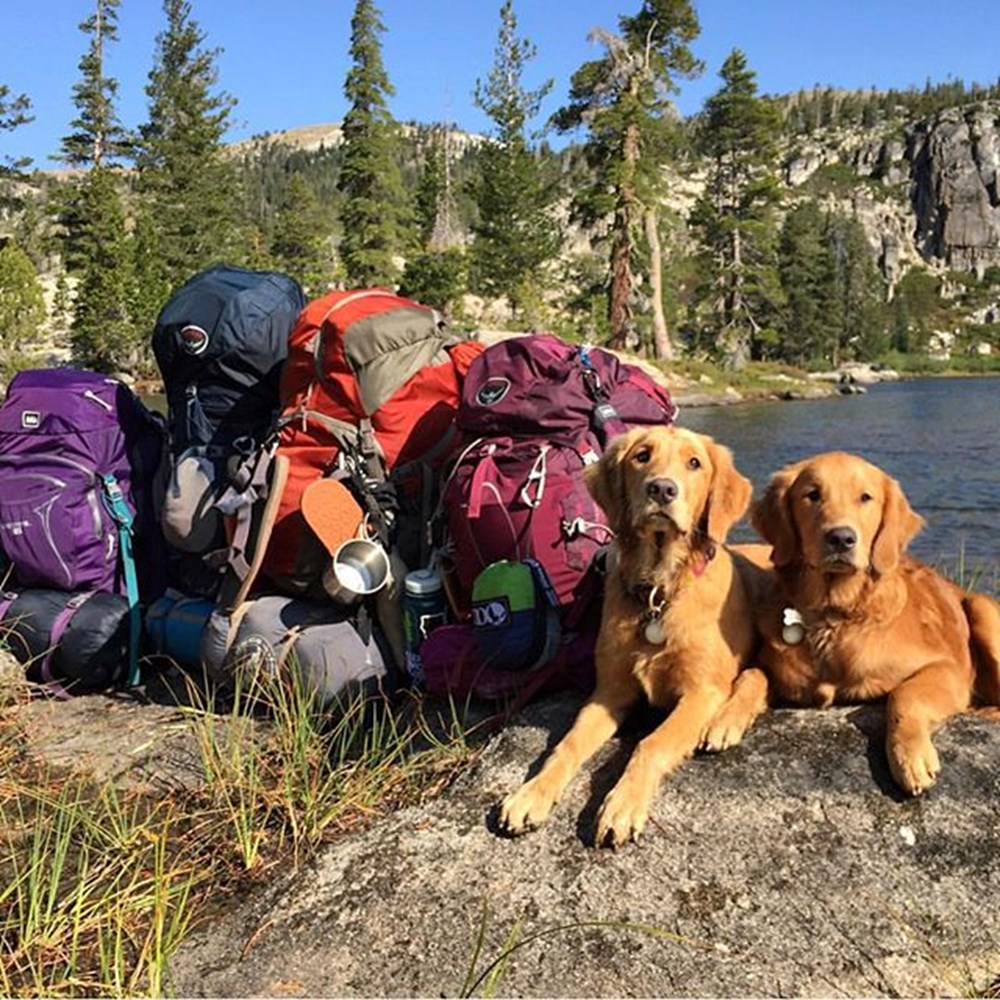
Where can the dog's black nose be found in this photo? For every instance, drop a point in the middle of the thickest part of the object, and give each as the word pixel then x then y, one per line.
pixel 663 491
pixel 841 539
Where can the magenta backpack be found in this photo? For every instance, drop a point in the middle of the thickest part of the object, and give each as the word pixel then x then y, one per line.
pixel 535 410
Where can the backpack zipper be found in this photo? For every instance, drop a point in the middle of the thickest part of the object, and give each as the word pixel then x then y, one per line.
pixel 94 398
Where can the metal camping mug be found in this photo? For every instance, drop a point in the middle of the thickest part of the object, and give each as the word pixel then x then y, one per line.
pixel 359 567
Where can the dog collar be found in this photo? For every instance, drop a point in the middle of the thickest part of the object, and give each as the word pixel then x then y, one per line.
pixel 793 626
pixel 656 599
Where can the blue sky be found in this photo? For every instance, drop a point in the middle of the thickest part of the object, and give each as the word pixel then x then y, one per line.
pixel 286 61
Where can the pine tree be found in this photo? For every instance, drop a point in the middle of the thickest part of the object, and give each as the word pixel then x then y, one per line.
pixel 98 136
pixel 375 208
pixel 92 214
pixel 735 214
pixel 181 163
pixel 862 333
pixel 148 285
pixel 623 100
pixel 430 200
pixel 22 307
pixel 301 243
pixel 516 234
pixel 13 114
pixel 103 336
pixel 811 318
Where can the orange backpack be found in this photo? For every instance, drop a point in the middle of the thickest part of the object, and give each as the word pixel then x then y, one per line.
pixel 371 385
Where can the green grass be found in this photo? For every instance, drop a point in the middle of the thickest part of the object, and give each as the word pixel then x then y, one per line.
pixel 99 886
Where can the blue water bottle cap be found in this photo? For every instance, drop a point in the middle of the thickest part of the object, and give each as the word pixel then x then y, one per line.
pixel 423 581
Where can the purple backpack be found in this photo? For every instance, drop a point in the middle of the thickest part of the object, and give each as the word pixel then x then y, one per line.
pixel 79 454
pixel 536 410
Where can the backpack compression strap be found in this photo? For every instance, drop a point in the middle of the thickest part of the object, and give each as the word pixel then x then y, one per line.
pixel 114 501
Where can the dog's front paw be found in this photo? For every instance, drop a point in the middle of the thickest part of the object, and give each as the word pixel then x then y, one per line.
pixel 526 809
pixel 914 762
pixel 622 817
pixel 724 731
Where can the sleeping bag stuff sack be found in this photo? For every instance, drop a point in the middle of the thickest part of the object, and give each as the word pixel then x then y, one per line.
pixel 74 642
pixel 335 650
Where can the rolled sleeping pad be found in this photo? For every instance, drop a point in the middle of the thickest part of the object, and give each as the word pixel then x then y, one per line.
pixel 79 639
pixel 320 639
pixel 174 625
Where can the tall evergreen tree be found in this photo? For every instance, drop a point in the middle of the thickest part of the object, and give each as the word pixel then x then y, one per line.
pixel 862 333
pixel 811 322
pixel 97 137
pixel 22 307
pixel 301 244
pixel 181 163
pixel 516 233
pixel 13 114
pixel 103 336
pixel 623 100
pixel 375 207
pixel 738 133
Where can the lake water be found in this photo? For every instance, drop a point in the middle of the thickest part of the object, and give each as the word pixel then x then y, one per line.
pixel 939 437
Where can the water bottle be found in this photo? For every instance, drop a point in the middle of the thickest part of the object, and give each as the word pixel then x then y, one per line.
pixel 424 609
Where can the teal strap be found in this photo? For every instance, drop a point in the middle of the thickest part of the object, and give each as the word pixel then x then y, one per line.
pixel 114 500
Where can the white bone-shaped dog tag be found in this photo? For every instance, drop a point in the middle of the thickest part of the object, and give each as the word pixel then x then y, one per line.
pixel 793 627
pixel 654 632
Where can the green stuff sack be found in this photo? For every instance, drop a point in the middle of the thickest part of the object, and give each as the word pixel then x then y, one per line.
pixel 515 615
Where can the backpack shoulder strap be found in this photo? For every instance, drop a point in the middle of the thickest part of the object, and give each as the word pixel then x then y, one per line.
pixel 114 501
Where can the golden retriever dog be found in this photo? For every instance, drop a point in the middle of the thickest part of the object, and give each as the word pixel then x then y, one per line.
pixel 852 618
pixel 676 626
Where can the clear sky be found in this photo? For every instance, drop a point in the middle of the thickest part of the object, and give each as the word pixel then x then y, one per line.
pixel 285 60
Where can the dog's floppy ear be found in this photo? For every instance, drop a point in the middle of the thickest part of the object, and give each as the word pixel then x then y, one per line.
pixel 771 516
pixel 899 524
pixel 605 480
pixel 729 495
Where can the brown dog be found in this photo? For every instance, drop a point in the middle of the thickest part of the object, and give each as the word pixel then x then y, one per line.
pixel 675 628
pixel 851 618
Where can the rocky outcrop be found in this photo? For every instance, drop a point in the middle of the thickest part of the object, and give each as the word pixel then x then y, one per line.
pixel 932 192
pixel 787 866
pixel 955 159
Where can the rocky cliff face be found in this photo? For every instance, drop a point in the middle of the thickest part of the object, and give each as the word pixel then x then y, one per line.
pixel 955 178
pixel 929 190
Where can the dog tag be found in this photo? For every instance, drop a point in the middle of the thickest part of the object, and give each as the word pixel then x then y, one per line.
pixel 793 627
pixel 655 632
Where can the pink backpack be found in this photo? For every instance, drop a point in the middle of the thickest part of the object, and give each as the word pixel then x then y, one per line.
pixel 535 410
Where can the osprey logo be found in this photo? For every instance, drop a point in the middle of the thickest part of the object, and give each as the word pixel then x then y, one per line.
pixel 194 339
pixel 494 613
pixel 492 391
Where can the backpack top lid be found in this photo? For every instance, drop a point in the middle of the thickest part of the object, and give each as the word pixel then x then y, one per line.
pixel 539 385
pixel 50 401
pixel 362 346
pixel 228 315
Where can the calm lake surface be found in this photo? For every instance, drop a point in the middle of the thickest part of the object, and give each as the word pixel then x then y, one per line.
pixel 939 437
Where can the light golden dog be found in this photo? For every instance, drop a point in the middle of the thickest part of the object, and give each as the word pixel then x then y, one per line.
pixel 676 626
pixel 852 618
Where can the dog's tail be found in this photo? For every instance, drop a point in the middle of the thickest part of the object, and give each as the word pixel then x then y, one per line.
pixel 983 614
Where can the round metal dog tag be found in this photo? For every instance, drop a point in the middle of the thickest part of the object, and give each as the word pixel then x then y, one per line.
pixel 655 632
pixel 793 627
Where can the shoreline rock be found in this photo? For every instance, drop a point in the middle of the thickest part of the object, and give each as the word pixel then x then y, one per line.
pixel 785 866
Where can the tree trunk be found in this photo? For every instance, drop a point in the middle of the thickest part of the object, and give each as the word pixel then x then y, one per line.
pixel 620 292
pixel 663 348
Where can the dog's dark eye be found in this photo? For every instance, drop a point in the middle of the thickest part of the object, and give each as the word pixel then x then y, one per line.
pixel 866 498
pixel 694 463
pixel 813 495
pixel 642 455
